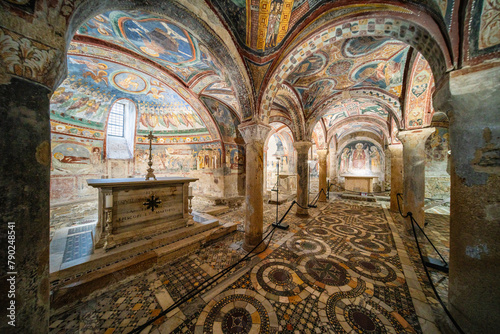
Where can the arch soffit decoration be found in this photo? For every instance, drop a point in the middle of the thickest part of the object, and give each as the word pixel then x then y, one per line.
pixel 319 126
pixel 281 131
pixel 290 100
pixel 359 120
pixel 198 20
pixel 400 25
pixel 389 102
pixel 361 134
pixel 286 122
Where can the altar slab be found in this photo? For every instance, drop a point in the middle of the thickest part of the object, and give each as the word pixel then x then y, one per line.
pixel 361 183
pixel 124 214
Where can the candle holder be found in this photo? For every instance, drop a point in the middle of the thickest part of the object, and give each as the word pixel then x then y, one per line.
pixel 190 209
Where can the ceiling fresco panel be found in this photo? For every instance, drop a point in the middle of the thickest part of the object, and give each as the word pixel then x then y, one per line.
pixel 154 38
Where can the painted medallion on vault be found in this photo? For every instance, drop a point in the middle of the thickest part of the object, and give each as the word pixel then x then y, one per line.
pixel 158 39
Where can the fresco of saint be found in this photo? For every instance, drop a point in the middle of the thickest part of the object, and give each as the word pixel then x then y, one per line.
pixel 359 157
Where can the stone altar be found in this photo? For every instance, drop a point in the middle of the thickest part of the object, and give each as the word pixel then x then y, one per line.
pixel 361 183
pixel 132 209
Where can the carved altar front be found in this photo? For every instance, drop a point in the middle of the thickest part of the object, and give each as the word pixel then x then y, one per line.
pixel 361 183
pixel 133 209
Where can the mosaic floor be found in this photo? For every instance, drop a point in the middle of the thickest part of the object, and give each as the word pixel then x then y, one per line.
pixel 345 270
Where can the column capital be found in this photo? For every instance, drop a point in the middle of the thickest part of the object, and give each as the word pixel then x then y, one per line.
pixel 302 146
pixel 417 135
pixel 395 147
pixel 254 131
pixel 322 154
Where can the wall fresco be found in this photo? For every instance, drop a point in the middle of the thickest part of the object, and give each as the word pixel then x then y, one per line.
pixel 361 157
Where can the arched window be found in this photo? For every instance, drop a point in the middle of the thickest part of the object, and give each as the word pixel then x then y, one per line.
pixel 116 120
pixel 121 130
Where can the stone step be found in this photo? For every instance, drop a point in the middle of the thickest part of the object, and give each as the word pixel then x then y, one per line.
pixel 77 288
pixel 101 258
pixel 216 210
pixel 435 203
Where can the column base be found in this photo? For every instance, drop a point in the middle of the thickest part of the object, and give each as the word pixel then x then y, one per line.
pixel 250 247
pixel 302 212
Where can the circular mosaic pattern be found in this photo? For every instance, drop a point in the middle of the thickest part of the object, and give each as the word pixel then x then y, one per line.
pixel 374 270
pixel 279 280
pixel 237 320
pixel 237 311
pixel 357 312
pixel 309 246
pixel 331 220
pixel 372 219
pixel 327 272
pixel 339 68
pixel 318 231
pixel 371 246
pixel 374 228
pixel 363 320
pixel 347 230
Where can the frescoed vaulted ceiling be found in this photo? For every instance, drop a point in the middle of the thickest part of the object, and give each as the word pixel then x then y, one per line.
pixel 260 26
pixel 94 84
pixel 347 82
pixel 311 63
pixel 355 63
pixel 163 42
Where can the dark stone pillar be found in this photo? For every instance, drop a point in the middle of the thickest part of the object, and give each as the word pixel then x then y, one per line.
pixel 302 148
pixel 322 155
pixel 25 183
pixel 396 175
pixel 414 173
pixel 471 98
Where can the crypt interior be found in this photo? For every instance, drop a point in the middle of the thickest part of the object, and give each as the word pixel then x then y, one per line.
pixel 214 166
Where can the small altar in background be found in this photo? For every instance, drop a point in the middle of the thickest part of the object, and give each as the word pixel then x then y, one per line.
pixel 133 209
pixel 288 183
pixel 361 183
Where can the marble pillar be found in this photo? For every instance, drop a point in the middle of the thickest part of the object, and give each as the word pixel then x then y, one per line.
pixel 25 183
pixel 470 98
pixel 254 135
pixel 414 173
pixel 322 155
pixel 302 148
pixel 396 151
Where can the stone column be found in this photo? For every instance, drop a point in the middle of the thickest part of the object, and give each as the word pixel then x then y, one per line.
pixel 25 183
pixel 302 148
pixel 414 173
pixel 322 154
pixel 396 174
pixel 471 99
pixel 264 159
pixel 254 135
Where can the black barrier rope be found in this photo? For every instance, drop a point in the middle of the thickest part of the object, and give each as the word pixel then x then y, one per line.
pixel 316 198
pixel 413 223
pixel 209 281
